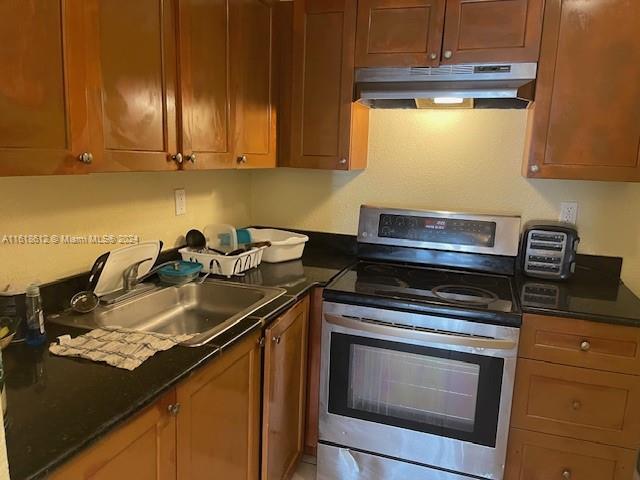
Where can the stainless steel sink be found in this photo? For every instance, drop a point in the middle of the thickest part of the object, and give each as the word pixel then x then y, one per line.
pixel 206 309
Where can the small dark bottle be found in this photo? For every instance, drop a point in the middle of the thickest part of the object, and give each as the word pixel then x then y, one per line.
pixel 36 335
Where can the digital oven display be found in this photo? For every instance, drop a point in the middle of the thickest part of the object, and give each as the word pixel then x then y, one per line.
pixel 451 231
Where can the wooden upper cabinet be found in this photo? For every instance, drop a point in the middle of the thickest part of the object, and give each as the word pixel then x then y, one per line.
pixel 144 449
pixel 218 427
pixel 252 83
pixel 43 110
pixel 327 130
pixel 482 31
pixel 226 53
pixel 132 83
pixel 205 83
pixel 585 123
pixel 284 394
pixel 399 33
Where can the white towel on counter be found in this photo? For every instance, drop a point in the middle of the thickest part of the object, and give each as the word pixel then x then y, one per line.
pixel 119 347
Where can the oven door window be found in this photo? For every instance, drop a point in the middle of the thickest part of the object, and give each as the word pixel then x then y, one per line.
pixel 431 390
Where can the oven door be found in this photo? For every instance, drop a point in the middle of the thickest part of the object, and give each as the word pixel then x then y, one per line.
pixel 439 394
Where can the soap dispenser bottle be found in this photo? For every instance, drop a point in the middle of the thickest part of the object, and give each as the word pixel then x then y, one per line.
pixel 36 335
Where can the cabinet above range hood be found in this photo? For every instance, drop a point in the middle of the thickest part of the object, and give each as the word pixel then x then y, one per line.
pixel 497 85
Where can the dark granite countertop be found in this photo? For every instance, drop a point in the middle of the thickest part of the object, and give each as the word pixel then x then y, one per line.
pixel 607 301
pixel 57 406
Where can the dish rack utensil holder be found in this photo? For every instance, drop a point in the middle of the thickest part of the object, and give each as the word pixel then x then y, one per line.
pixel 226 265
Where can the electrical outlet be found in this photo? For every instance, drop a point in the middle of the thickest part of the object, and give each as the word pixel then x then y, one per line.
pixel 569 212
pixel 181 201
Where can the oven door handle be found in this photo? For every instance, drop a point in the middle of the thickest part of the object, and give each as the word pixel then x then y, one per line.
pixel 421 335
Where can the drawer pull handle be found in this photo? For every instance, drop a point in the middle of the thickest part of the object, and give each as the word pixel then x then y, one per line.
pixel 566 474
pixel 576 405
pixel 585 346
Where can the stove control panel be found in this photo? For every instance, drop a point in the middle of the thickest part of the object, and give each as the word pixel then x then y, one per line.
pixel 454 232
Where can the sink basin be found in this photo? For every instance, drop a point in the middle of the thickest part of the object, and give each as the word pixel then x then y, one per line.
pixel 206 309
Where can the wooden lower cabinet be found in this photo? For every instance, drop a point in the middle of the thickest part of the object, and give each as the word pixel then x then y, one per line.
pixel 144 449
pixel 218 427
pixel 313 372
pixel 575 414
pixel 577 403
pixel 284 395
pixel 581 343
pixel 537 456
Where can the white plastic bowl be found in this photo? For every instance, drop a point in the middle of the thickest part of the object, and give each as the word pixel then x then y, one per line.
pixel 285 245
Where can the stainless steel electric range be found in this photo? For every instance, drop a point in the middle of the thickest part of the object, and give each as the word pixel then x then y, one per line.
pixel 419 348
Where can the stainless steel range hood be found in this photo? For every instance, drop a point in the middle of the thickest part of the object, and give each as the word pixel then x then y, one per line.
pixel 385 87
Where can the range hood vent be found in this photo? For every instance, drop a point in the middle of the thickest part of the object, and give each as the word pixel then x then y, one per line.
pixel 511 84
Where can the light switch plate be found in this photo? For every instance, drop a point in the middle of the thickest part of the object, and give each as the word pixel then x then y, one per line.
pixel 181 201
pixel 569 212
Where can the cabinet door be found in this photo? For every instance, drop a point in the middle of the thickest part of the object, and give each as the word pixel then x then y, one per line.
pixel 483 31
pixel 399 33
pixel 535 456
pixel 252 85
pixel 328 130
pixel 205 83
pixel 585 123
pixel 219 420
pixel 144 449
pixel 284 397
pixel 43 115
pixel 132 83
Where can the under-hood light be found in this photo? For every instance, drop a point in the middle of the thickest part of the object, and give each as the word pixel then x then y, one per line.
pixel 448 100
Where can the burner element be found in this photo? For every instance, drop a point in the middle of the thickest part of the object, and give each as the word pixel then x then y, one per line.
pixel 464 294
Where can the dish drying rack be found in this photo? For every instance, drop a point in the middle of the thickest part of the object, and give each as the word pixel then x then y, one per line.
pixel 225 265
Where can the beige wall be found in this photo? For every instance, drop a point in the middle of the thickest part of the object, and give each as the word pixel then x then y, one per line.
pixel 136 203
pixel 450 160
pixel 465 160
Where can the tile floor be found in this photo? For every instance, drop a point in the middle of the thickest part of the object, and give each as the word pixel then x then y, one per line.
pixel 306 469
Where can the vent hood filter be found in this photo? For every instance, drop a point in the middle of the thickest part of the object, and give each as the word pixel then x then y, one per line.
pixel 384 87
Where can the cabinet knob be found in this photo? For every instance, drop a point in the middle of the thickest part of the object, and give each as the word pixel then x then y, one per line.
pixel 576 405
pixel 86 157
pixel 534 168
pixel 566 474
pixel 242 159
pixel 448 54
pixel 433 56
pixel 177 158
pixel 342 161
pixel 585 346
pixel 191 158
pixel 174 409
pixel 277 340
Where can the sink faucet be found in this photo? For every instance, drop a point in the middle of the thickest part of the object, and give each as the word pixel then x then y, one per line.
pixel 131 284
pixel 130 275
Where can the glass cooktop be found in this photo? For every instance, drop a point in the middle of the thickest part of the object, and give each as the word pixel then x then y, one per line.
pixel 428 285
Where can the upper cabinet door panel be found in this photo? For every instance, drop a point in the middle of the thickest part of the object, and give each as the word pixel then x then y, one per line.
pixel 393 33
pixel 586 122
pixel 42 101
pixel 205 82
pixel 251 60
pixel 135 57
pixel 322 133
pixel 480 31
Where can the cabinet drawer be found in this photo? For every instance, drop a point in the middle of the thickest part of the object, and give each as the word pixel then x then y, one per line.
pixel 536 456
pixel 576 402
pixel 581 343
